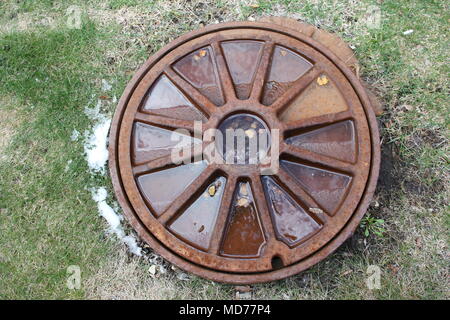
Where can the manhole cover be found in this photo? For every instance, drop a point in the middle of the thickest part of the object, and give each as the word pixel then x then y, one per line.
pixel 247 220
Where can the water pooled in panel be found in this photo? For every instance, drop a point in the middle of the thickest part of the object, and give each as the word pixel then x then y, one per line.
pixel 196 224
pixel 162 187
pixel 244 236
pixel 165 99
pixel 319 98
pixel 242 58
pixel 198 69
pixel 326 187
pixel 291 221
pixel 286 67
pixel 337 141
pixel 150 142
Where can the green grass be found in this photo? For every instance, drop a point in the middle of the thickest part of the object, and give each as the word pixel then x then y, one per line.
pixel 48 74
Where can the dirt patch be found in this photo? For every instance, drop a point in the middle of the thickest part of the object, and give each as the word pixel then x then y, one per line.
pixel 387 180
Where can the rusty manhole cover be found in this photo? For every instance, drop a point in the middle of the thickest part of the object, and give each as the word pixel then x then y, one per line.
pixel 242 223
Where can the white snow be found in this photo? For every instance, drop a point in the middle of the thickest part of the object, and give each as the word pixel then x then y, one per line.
pixel 95 147
pixel 94 113
pixel 99 195
pixel 408 32
pixel 95 142
pixel 68 165
pixel 105 85
pixel 75 135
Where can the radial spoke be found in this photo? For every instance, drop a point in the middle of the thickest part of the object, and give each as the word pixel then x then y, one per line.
pixel 164 121
pixel 262 70
pixel 318 159
pixel 164 161
pixel 318 120
pixel 224 73
pixel 199 99
pixel 297 87
pixel 300 194
pixel 219 228
pixel 261 205
pixel 191 191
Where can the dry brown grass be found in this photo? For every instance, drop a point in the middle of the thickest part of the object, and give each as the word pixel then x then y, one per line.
pixel 122 277
pixel 9 121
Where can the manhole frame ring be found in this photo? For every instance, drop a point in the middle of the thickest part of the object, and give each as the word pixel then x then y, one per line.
pixel 284 272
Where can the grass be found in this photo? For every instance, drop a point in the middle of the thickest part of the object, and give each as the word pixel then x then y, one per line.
pixel 49 73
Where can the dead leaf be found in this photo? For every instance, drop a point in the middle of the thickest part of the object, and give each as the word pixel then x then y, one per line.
pixel 322 80
pixel 394 268
pixel 419 243
pixel 242 202
pixel 243 288
pixel 152 269
pixel 346 272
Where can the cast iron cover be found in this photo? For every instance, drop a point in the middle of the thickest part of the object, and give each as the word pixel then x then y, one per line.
pixel 241 223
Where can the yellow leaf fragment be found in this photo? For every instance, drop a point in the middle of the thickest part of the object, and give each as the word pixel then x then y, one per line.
pixel 242 202
pixel 322 80
pixel 212 190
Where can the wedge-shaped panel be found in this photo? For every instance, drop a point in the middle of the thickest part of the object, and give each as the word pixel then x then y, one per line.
pixel 243 236
pixel 152 142
pixel 286 67
pixel 319 98
pixel 165 99
pixel 196 224
pixel 328 188
pixel 336 141
pixel 242 59
pixel 199 69
pixel 162 187
pixel 291 221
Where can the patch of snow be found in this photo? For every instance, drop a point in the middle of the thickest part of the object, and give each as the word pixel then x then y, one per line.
pixel 94 113
pixel 131 242
pixel 75 135
pixel 105 85
pixel 95 146
pixel 408 32
pixel 68 165
pixel 99 195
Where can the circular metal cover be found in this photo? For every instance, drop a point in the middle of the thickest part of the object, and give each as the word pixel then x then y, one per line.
pixel 242 223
